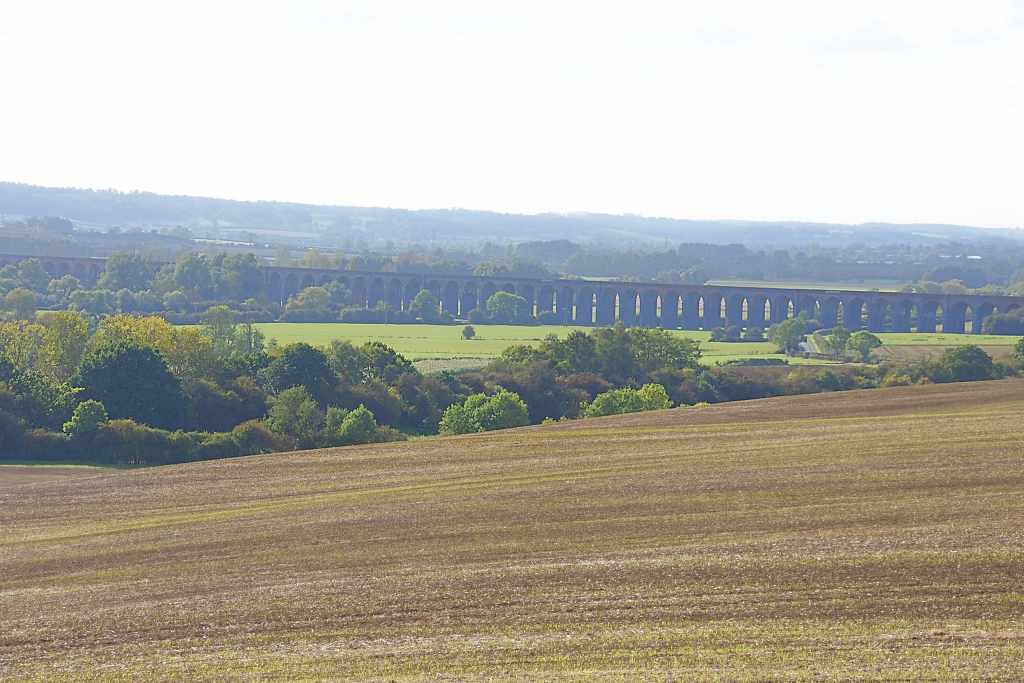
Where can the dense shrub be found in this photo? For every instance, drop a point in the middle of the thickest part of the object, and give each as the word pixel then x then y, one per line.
pixel 501 410
pixel 627 400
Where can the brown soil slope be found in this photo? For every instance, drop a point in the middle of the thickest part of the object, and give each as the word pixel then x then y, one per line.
pixel 858 535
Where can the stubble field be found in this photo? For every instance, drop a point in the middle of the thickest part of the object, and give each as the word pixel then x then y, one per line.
pixel 871 535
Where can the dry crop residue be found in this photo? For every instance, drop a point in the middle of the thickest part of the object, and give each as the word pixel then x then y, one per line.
pixel 861 535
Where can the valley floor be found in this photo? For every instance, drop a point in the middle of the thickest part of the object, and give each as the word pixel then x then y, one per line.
pixel 861 535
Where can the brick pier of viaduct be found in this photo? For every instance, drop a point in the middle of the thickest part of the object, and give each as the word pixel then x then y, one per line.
pixel 602 302
pixel 688 307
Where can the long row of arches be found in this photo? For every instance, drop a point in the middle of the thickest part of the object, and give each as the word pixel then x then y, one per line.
pixel 87 273
pixel 599 304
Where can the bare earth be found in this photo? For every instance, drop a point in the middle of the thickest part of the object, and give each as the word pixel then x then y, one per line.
pixel 14 475
pixel 854 536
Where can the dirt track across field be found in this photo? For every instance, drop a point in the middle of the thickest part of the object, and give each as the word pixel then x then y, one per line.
pixel 857 536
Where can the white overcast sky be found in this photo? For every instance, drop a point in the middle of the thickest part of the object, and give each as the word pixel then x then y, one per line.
pixel 862 111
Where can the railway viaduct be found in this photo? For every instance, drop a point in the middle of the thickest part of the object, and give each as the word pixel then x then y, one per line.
pixel 86 269
pixel 603 302
pixel 687 307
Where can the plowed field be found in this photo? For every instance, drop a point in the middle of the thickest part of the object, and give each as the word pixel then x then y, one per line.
pixel 855 536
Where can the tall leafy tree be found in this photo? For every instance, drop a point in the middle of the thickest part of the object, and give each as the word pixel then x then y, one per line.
pixel 20 303
pixel 19 343
pixel 575 354
pixel 426 307
pixel 32 275
pixel 296 414
pixel 301 365
pixel 218 324
pixel 63 288
pixel 63 345
pixel 126 270
pixel 192 273
pixel 240 277
pixel 132 381
pixel 968 363
pixel 788 334
pixel 615 356
pixel 509 309
pixel 383 362
pixel 863 342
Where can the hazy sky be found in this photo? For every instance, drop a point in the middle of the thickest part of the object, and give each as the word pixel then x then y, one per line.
pixel 888 111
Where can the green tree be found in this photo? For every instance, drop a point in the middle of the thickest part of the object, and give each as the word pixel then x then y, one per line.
pixel 176 301
pixel 346 360
pixel 8 278
pixel 63 345
pixel 219 325
pixel 240 277
pixel 126 270
pixel 468 332
pixel 95 303
pixel 282 256
pixel 654 397
pixel 340 294
pixel 659 348
pixel 21 304
pixel 458 419
pixel 359 426
pixel 86 420
pixel 301 365
pixel 501 410
pixel 575 354
pixel 132 381
pixel 837 341
pixel 616 357
pixel 863 342
pixel 313 304
pixel 1018 348
pixel 788 334
pixel 426 307
pixel 61 289
pixel 521 354
pixel 313 259
pixel 19 343
pixel 382 362
pixel 627 400
pixel 32 275
pixel 509 309
pixel 753 334
pixel 248 338
pixel 296 414
pixel 968 363
pixel 192 273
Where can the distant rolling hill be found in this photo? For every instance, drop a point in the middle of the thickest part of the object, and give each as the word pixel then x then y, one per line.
pixel 869 535
pixel 109 207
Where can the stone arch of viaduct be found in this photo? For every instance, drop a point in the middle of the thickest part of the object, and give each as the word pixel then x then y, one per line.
pixel 687 307
pixel 86 269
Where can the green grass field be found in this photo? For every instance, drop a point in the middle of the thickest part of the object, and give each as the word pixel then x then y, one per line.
pixel 862 535
pixel 416 341
pixel 446 342
pixel 914 346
